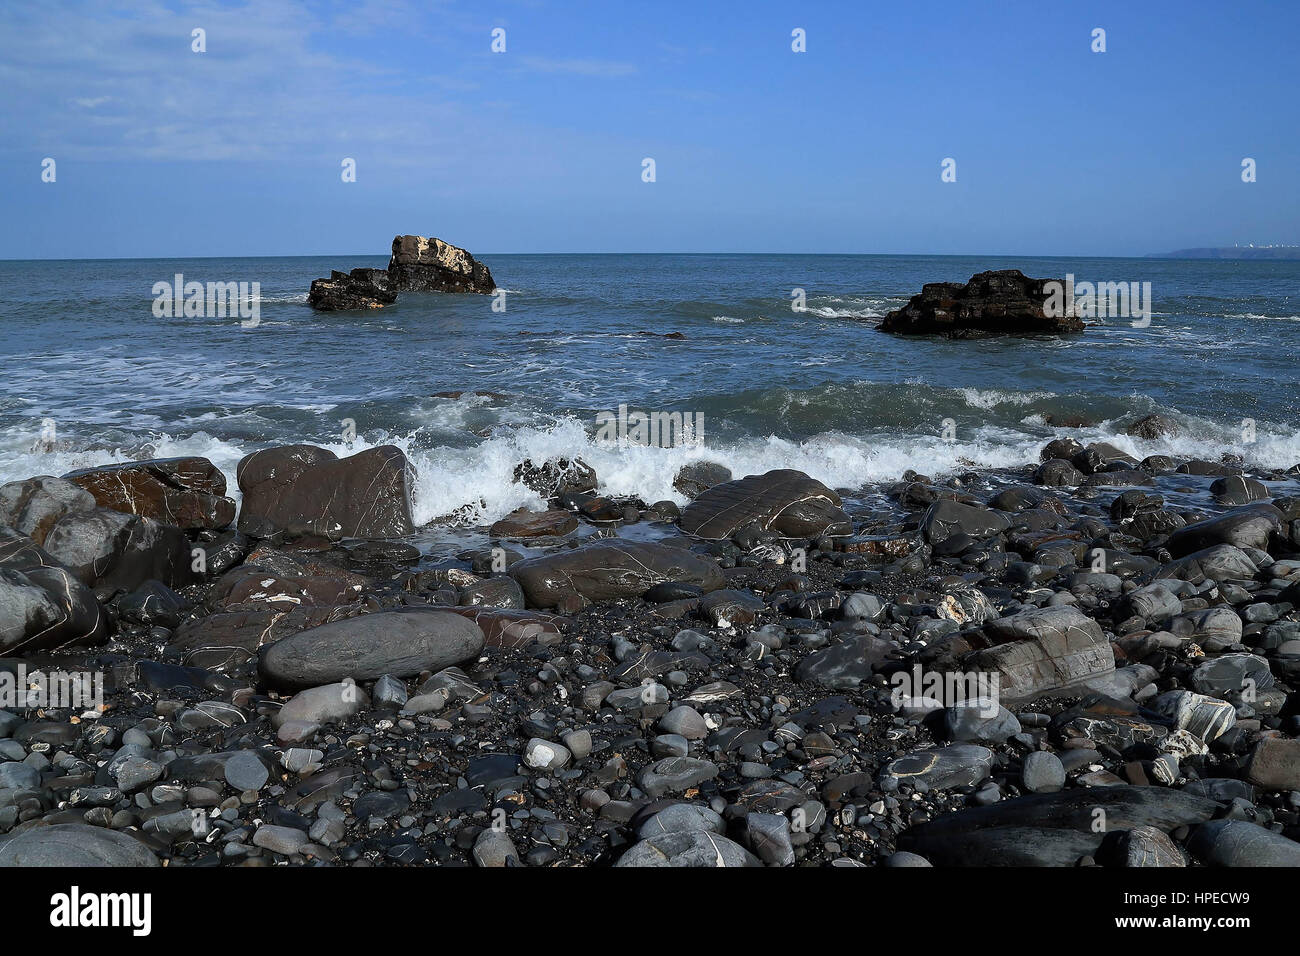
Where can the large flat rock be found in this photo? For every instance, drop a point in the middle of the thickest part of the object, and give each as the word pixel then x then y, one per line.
pixel 785 501
pixel 610 569
pixel 402 643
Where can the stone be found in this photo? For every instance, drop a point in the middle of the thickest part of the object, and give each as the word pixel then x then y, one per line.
pixel 844 665
pixel 45 609
pixel 610 569
pixel 681 818
pixel 941 768
pixel 687 848
pixel 1002 302
pixel 556 476
pixel 1042 772
pixel 675 774
pixel 74 845
pixel 305 490
pixel 319 705
pixel 1042 649
pixel 1147 846
pixel 522 523
pixel 1275 764
pixel 401 642
pixel 684 721
pixel 494 848
pixel 946 518
pixel 33 506
pixel 768 836
pixel 784 501
pixel 420 264
pixel 245 771
pixel 351 291
pixel 109 551
pixel 283 840
pixel 1239 843
pixel 1252 526
pixel 694 479
pixel 189 493
pixel 980 720
pixel 546 755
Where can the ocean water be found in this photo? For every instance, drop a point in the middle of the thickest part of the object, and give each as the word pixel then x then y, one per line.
pixel 820 390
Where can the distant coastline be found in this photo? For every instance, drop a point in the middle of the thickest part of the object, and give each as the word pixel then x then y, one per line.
pixel 1232 252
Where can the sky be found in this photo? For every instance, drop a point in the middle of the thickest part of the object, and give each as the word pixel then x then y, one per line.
pixel 162 151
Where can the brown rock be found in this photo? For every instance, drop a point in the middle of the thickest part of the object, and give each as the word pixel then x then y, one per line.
pixel 186 492
pixel 785 501
pixel 523 523
pixel 305 490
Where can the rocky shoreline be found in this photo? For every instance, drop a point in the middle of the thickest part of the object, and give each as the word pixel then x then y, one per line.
pixel 293 681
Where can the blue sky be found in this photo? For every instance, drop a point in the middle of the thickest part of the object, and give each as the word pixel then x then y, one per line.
pixel 162 151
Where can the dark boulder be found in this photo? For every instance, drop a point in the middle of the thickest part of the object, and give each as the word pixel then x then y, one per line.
pixel 32 507
pixel 1004 302
pixel 419 264
pixel 785 501
pixel 947 518
pixel 111 551
pixel 345 292
pixel 610 569
pixel 401 643
pixel 187 492
pixel 556 476
pixel 1252 526
pixel 305 490
pixel 699 476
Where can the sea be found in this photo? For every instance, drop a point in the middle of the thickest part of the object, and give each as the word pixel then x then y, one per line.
pixel 778 358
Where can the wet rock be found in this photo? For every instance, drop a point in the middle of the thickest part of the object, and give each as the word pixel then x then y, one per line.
pixel 1042 772
pixel 784 501
pixel 1151 426
pixel 494 848
pixel 401 642
pixel 523 523
pixel 610 569
pixel 675 775
pixel 1147 846
pixel 33 506
pixel 980 720
pixel 1275 764
pixel 946 518
pixel 47 609
pixel 189 493
pixel 109 551
pixel 699 476
pixel 556 476
pixel 305 490
pixel 1252 526
pixel 844 665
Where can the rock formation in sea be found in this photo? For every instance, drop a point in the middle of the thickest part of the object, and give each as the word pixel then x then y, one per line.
pixel 1005 302
pixel 417 264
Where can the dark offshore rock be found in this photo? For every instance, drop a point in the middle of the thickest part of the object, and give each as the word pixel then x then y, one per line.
pixel 344 291
pixel 1043 649
pixel 1252 526
pixel 1240 843
pixel 401 642
pixel 1050 829
pixel 1102 456
pixel 111 551
pixel 610 569
pixel 419 264
pixel 844 665
pixel 187 492
pixel 32 507
pixel 687 848
pixel 699 476
pixel 946 518
pixel 1003 302
pixel 1238 490
pixel 305 490
pixel 46 608
pixel 785 501
pixel 73 844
